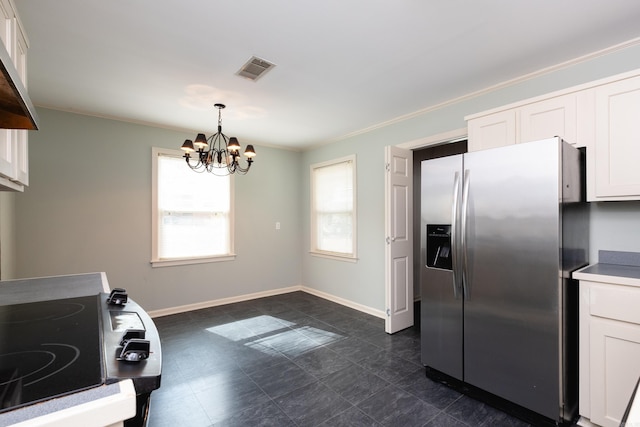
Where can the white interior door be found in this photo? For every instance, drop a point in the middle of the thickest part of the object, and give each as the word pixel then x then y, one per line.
pixel 399 242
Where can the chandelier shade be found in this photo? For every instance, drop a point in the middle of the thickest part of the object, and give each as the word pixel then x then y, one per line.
pixel 217 154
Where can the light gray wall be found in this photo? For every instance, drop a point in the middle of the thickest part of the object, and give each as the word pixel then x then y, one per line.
pixel 614 226
pixel 7 235
pixel 88 205
pixel 88 208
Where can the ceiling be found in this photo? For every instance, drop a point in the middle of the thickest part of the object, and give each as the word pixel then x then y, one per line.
pixel 342 66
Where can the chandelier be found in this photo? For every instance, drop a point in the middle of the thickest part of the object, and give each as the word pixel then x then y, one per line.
pixel 217 154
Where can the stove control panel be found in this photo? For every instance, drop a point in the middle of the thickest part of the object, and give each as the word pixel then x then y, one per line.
pixel 134 347
pixel 122 321
pixel 118 296
pixel 131 333
pixel 134 350
pixel 131 342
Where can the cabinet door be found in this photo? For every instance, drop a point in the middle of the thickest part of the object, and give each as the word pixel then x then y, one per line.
pixel 20 136
pixel 7 154
pixel 584 350
pixel 7 150
pixel 21 158
pixel 551 117
pixel 6 25
pixel 493 130
pixel 14 148
pixel 615 368
pixel 617 175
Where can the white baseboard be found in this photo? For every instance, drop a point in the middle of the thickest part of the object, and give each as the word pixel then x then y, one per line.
pixel 345 302
pixel 585 422
pixel 221 301
pixel 280 291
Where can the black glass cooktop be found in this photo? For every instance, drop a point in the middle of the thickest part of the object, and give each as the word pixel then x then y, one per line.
pixel 48 349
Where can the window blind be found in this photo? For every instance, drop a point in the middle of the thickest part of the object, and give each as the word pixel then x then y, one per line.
pixel 193 211
pixel 333 207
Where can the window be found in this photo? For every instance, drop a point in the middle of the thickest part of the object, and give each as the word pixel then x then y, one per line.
pixel 192 213
pixel 333 208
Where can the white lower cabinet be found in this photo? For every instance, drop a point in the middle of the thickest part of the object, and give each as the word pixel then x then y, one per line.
pixel 609 350
pixel 615 356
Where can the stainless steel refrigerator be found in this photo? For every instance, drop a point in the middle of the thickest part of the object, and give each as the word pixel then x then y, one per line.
pixel 501 230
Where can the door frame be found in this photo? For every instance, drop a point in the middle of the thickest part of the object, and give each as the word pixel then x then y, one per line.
pixel 437 139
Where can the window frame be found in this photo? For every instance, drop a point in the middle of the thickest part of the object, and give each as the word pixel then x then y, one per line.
pixel 341 256
pixel 167 262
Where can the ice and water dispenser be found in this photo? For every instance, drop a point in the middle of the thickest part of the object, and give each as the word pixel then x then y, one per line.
pixel 439 246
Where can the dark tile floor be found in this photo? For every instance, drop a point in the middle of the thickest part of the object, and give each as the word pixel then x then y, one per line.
pixel 299 360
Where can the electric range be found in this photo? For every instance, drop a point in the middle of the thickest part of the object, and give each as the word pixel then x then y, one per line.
pixel 54 348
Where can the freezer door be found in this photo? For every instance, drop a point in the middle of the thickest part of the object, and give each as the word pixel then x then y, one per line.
pixel 441 300
pixel 512 250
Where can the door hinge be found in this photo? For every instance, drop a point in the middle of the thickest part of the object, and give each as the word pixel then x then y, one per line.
pixel 387 167
pixel 388 313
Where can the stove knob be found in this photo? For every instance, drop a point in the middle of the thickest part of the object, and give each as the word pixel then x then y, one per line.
pixel 134 350
pixel 133 356
pixel 132 333
pixel 118 296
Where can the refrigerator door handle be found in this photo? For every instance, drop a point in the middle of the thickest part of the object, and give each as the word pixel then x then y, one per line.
pixel 455 268
pixel 463 234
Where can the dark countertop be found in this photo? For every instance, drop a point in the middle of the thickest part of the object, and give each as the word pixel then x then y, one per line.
pixel 59 287
pixel 627 271
pixel 55 287
pixel 620 268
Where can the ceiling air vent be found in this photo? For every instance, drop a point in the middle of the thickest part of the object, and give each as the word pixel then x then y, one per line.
pixel 255 68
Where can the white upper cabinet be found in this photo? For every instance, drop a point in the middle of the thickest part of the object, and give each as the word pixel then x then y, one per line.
pixel 14 148
pixel 493 130
pixel 6 25
pixel 7 151
pixel 21 137
pixel 615 174
pixel 531 120
pixel 556 116
pixel 603 116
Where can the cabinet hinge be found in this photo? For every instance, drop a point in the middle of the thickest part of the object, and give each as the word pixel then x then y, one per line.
pixel 387 167
pixel 388 313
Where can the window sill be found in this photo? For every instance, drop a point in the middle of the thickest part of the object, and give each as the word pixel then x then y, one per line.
pixel 186 261
pixel 345 258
